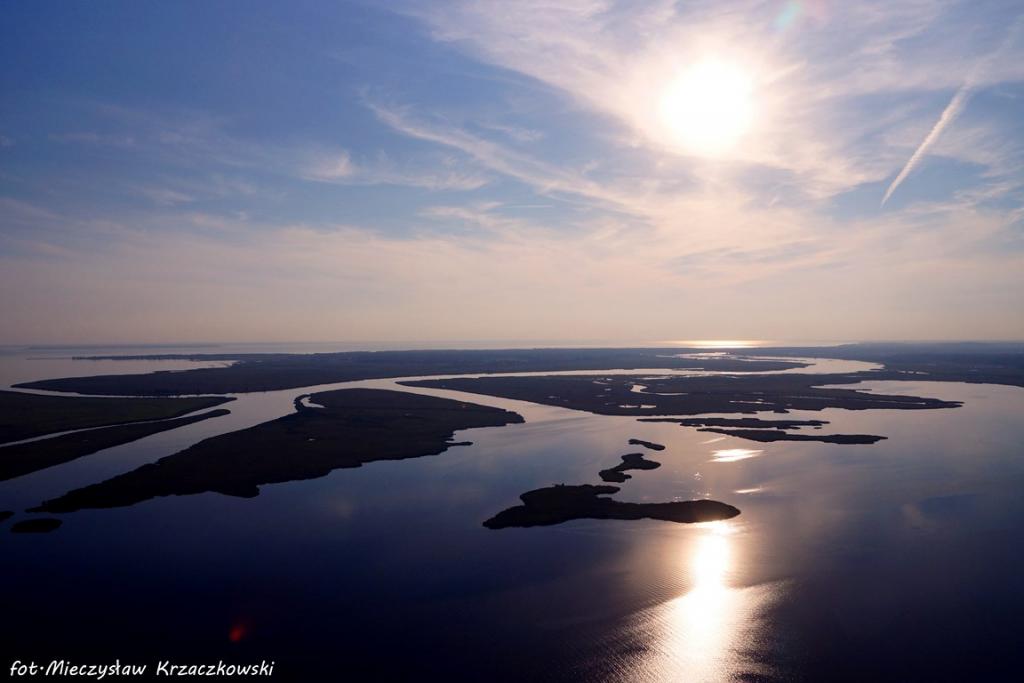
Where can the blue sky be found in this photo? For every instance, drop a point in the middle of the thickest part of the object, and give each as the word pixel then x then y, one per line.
pixel 265 171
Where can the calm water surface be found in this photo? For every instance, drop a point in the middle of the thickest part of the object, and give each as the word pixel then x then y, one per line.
pixel 895 561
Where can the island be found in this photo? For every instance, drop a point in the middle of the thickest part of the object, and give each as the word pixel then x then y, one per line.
pixel 26 416
pixel 988 363
pixel 562 503
pixel 689 394
pixel 24 458
pixel 269 372
pixel 5 515
pixel 40 525
pixel 350 427
pixel 647 444
pixel 769 435
pixel 630 461
pixel 743 422
pixel 994 363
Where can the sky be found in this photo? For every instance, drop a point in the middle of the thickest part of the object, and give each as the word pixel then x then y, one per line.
pixel 491 170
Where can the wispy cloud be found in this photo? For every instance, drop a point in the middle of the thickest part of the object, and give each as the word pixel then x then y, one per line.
pixel 341 169
pixel 329 279
pixel 18 211
pixel 517 133
pixel 94 138
pixel 544 176
pixel 165 196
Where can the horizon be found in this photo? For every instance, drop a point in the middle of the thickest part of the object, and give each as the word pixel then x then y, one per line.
pixel 320 347
pixel 493 344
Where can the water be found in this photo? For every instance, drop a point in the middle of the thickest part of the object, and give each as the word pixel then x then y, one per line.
pixel 894 561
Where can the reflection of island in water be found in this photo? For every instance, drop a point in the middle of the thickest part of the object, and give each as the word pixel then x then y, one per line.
pixel 561 503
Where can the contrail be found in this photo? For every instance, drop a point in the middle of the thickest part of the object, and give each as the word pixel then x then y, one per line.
pixel 952 110
pixel 948 115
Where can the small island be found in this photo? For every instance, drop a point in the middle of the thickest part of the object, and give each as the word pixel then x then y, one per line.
pixel 769 435
pixel 41 525
pixel 562 503
pixel 630 461
pixel 5 515
pixel 742 422
pixel 647 444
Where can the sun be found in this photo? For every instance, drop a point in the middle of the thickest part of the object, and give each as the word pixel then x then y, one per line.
pixel 708 107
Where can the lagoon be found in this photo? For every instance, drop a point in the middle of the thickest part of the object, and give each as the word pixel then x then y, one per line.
pixel 848 562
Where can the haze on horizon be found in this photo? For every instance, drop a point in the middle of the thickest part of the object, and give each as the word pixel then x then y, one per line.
pixel 575 169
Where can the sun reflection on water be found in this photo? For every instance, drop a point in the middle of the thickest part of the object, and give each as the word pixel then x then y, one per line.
pixel 734 454
pixel 705 633
pixel 719 343
pixel 699 636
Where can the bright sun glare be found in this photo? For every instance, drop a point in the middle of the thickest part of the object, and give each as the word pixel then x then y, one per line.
pixel 708 107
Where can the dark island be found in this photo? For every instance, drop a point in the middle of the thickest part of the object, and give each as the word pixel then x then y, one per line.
pixel 630 461
pixel 24 458
pixel 268 372
pixel 971 362
pixel 765 431
pixel 647 444
pixel 769 435
pixel 689 395
pixel 5 515
pixel 24 416
pixel 994 363
pixel 561 503
pixel 41 525
pixel 742 422
pixel 353 427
